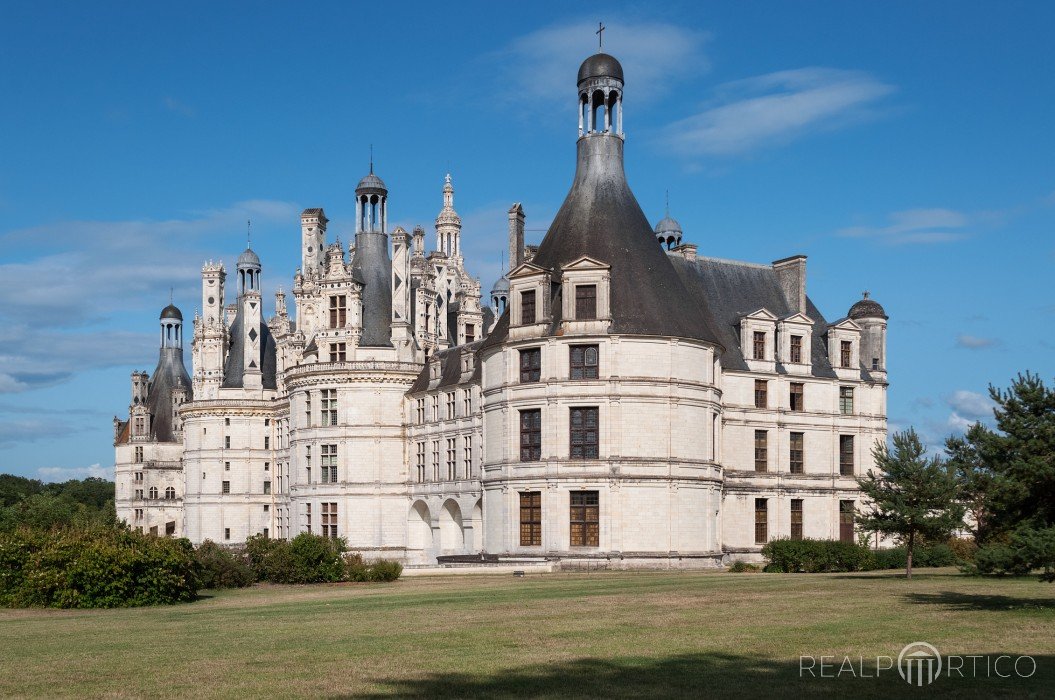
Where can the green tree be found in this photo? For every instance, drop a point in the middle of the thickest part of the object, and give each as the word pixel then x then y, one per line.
pixel 912 496
pixel 975 479
pixel 1019 457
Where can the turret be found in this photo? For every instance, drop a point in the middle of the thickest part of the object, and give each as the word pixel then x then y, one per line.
pixel 448 223
pixel 870 315
pixel 249 316
pixel 312 240
pixel 400 289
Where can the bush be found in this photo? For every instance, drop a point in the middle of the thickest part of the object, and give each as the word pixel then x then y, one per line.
pixel 385 570
pixel 816 556
pixel 355 569
pixel 306 558
pixel 219 568
pixel 963 548
pixel 94 568
pixel 742 567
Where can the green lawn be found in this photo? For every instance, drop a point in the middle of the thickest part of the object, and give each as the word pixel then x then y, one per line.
pixel 602 634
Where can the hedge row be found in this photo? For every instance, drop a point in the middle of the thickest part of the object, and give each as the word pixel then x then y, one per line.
pixel 311 558
pixel 824 556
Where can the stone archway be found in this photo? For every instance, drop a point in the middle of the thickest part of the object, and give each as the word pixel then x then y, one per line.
pixel 452 535
pixel 420 539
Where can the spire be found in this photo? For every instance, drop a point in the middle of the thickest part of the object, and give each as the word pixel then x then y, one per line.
pixel 371 159
pixel 600 36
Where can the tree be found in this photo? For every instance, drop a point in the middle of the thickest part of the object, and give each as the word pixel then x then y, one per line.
pixel 1019 459
pixel 913 496
pixel 975 479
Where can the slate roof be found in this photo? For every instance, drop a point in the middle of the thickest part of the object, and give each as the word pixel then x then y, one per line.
pixel 232 371
pixel 169 374
pixel 372 268
pixel 171 311
pixel 450 369
pixel 600 65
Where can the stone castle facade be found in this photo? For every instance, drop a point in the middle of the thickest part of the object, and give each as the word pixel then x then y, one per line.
pixel 621 397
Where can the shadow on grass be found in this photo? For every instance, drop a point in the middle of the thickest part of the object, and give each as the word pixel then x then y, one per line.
pixel 696 675
pixel 967 601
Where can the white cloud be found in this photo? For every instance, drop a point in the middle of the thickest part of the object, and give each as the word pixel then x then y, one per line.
pixel 968 408
pixel 67 473
pixel 775 108
pixel 914 226
pixel 973 342
pixel 537 67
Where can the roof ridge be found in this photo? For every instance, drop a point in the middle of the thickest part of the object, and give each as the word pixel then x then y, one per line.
pixel 730 261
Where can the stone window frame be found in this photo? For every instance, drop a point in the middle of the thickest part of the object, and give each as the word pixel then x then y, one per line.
pixel 584 518
pixel 761 451
pixel 797 519
pixel 530 518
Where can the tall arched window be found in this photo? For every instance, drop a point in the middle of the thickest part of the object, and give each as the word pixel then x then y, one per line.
pixel 153 492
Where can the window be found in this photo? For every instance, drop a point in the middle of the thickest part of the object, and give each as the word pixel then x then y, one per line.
pixel 467 456
pixel 421 462
pixel 450 405
pixel 796 348
pixel 846 521
pixel 796 518
pixel 138 455
pixel 846 400
pixel 470 332
pixel 307 410
pixel 797 396
pixel 435 460
pixel 329 407
pixel 267 443
pixel 153 492
pixel 452 465
pixel 338 352
pixel 266 533
pixel 467 401
pixel 846 455
pixel 267 488
pixel 761 451
pixel 329 464
pixel 761 521
pixel 759 345
pixel 584 433
pixel 267 508
pixel 307 461
pixel 419 409
pixel 531 365
pixel 139 514
pixel 585 302
pixel 338 311
pixel 170 493
pixel 226 421
pixel 531 435
pixel 139 494
pixel 227 442
pixel 267 466
pixel 844 353
pixel 329 520
pixel 226 487
pixel 584 362
pixel 139 477
pixel 436 407
pixel 227 533
pixel 307 516
pixel 875 363
pixel 585 519
pixel 761 393
pixel 527 307
pixel 795 458
pixel 530 518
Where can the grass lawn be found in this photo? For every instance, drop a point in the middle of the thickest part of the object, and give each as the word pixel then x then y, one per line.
pixel 599 634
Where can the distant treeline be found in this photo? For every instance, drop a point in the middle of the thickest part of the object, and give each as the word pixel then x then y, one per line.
pixel 40 505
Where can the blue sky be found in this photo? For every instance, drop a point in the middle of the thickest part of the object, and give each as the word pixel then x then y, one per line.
pixel 906 148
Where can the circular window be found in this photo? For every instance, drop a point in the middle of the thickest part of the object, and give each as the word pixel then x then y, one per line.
pixel 211 300
pixel 310 249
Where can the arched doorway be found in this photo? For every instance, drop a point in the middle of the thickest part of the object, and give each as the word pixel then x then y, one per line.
pixel 452 536
pixel 419 532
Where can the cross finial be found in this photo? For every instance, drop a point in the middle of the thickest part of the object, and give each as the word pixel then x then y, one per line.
pixel 668 202
pixel 248 233
pixel 600 36
pixel 371 159
pixel 170 294
pixel 865 294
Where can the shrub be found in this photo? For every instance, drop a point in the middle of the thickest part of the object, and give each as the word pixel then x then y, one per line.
pixel 355 569
pixel 963 548
pixel 816 556
pixel 219 568
pixel 385 570
pixel 307 558
pixel 741 567
pixel 94 568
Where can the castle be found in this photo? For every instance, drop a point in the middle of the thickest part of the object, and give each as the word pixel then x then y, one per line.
pixel 622 397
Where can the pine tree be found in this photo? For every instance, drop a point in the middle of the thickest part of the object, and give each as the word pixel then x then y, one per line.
pixel 910 496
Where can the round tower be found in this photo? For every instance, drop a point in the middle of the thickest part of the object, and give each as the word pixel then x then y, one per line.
pixel 600 96
pixel 248 272
pixel 371 204
pixel 870 315
pixel 171 327
pixel 448 223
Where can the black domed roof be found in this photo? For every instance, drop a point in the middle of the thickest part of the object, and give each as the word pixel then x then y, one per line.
pixel 248 257
pixel 371 183
pixel 600 65
pixel 867 308
pixel 171 311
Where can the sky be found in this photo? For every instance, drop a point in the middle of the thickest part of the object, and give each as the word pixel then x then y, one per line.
pixel 905 147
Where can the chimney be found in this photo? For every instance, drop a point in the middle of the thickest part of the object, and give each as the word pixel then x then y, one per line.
pixel 791 272
pixel 516 235
pixel 687 251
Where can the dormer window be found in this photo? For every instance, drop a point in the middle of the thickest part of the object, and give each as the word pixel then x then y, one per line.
pixel 527 307
pixel 759 345
pixel 796 349
pixel 338 311
pixel 470 332
pixel 845 348
pixel 585 302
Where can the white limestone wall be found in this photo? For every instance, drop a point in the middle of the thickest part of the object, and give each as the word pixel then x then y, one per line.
pixel 161 468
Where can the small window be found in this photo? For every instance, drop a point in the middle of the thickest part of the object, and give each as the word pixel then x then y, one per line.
pixel 761 451
pixel 584 433
pixel 797 396
pixel 530 435
pixel 585 302
pixel 846 455
pixel 470 332
pixel 450 405
pixel 227 466
pixel 530 518
pixel 584 362
pixel 796 349
pixel 796 458
pixel 153 492
pixel 796 518
pixel 527 307
pixel 759 345
pixel 846 400
pixel 227 533
pixel 227 441
pixel 338 311
pixel 226 487
pixel 531 365
pixel 875 363
pixel 329 407
pixel 329 464
pixel 467 456
pixel 338 352
pixel 846 521
pixel 329 520
pixel 267 488
pixel 421 462
pixel 585 519
pixel 267 508
pixel 844 353
pixel 267 443
pixel 226 421
pixel 170 493
pixel 452 457
pixel 761 521
pixel 761 393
